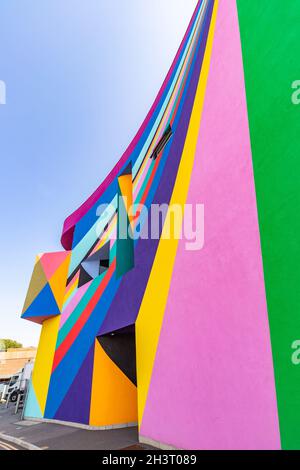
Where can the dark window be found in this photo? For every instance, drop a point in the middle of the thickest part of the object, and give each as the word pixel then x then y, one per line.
pixel 162 143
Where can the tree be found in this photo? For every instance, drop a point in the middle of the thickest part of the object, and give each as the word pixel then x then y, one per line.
pixel 9 343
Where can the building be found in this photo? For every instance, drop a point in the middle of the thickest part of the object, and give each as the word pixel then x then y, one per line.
pixel 199 346
pixel 13 360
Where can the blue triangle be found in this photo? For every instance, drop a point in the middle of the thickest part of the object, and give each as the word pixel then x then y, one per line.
pixel 32 408
pixel 44 305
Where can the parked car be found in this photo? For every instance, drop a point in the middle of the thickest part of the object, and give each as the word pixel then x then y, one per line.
pixel 17 383
pixel 3 390
pixel 14 387
pixel 2 386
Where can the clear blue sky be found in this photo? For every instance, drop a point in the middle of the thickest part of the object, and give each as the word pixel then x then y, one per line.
pixel 75 71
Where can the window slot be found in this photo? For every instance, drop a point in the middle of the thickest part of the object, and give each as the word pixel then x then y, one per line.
pixel 162 143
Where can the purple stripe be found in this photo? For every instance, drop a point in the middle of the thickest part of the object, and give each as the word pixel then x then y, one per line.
pixel 76 406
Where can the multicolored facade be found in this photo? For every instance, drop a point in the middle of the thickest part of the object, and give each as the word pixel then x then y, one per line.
pixel 197 346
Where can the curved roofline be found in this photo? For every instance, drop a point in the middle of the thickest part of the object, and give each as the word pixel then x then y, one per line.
pixel 75 217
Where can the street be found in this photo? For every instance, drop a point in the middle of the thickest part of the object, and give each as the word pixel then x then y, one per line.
pixel 53 436
pixel 4 445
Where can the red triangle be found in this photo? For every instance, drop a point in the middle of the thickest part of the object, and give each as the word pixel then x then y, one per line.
pixel 52 261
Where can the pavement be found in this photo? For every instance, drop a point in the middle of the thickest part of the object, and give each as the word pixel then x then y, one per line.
pixel 48 436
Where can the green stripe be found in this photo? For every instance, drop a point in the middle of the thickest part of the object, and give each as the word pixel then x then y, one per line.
pixel 63 332
pixel 125 246
pixel 270 36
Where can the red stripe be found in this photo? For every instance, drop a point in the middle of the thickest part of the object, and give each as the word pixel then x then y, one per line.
pixel 72 335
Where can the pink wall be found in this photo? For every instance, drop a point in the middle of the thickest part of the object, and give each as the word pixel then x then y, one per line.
pixel 213 384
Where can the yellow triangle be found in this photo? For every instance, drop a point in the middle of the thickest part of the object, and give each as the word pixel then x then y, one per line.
pixel 59 280
pixel 114 396
pixel 37 283
pixel 125 183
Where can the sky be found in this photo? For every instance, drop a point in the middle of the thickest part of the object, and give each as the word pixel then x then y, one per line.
pixel 80 77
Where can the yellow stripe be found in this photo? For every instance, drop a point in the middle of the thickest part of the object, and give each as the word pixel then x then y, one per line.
pixel 7 446
pixel 44 359
pixel 152 309
pixel 69 292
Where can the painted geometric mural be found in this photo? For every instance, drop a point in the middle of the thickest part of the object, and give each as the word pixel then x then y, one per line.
pixel 194 346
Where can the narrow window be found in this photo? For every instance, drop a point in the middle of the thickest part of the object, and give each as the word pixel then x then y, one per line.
pixel 162 143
